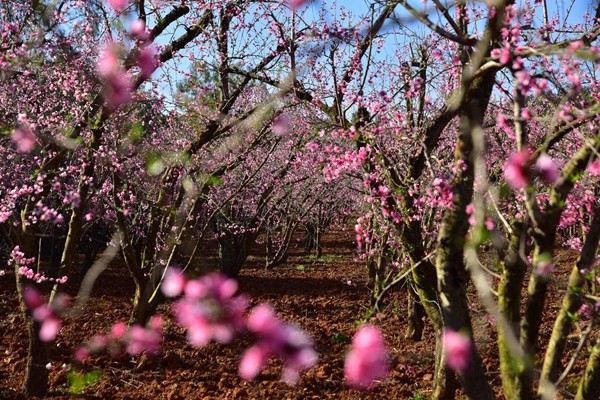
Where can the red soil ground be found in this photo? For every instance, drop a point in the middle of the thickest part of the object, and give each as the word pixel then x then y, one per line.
pixel 324 296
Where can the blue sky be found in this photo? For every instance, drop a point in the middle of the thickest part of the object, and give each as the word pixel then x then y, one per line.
pixel 575 10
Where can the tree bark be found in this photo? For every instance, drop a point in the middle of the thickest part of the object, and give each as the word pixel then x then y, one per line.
pixel 571 303
pixel 509 301
pixel 36 374
pixel 416 313
pixel 145 302
pixel 545 226
pixel 233 251
pixel 589 387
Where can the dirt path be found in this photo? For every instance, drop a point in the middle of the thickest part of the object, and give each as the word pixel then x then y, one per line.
pixel 324 296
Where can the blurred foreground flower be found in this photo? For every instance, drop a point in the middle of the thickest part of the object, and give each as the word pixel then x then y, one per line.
pixel 276 339
pixel 518 170
pixel 457 347
pixel 46 314
pixel 24 139
pixel 209 308
pixel 368 359
pixel 117 90
pixel 133 340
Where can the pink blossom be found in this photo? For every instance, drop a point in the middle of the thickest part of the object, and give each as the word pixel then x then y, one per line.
pixel 252 362
pixel 576 45
pixel 276 339
pixel 545 269
pixel 368 360
pixel 32 298
pixel 81 354
pixel 503 53
pixel 209 308
pixel 45 314
pixel 146 60
pixel 49 329
pixel 118 5
pixel 585 311
pixel 147 339
pixel 24 139
pixel 457 347
pixel 174 282
pixel 295 4
pixel 525 81
pixel 118 91
pixel 108 63
pixel 516 170
pixel 281 125
pixel 547 168
pixel 118 330
pixel 594 168
pixel 138 29
pixel 503 124
pixel 134 340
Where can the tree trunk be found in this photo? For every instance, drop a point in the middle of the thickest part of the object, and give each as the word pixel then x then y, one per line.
pixel 416 313
pixel 145 302
pixel 571 303
pixel 309 238
pixel 589 387
pixel 280 255
pixel 36 374
pixel 509 301
pixel 233 251
pixel 318 245
pixel 450 265
pixel 545 227
pixel 445 380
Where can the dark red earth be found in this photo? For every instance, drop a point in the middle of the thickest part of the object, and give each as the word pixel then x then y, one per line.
pixel 326 296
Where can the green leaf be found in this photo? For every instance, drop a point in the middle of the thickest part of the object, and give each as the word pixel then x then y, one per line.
pixel 576 289
pixel 480 235
pixel 137 132
pixel 574 316
pixel 504 191
pixel 215 180
pixel 79 381
pixel 188 184
pixel 339 337
pixel 154 164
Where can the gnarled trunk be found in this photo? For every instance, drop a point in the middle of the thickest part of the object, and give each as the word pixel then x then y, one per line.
pixel 145 302
pixel 233 251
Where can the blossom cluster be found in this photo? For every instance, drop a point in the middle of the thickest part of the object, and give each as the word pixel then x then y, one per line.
pixel 134 340
pixel 276 339
pixel 47 315
pixel 521 168
pixel 17 257
pixel 210 310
